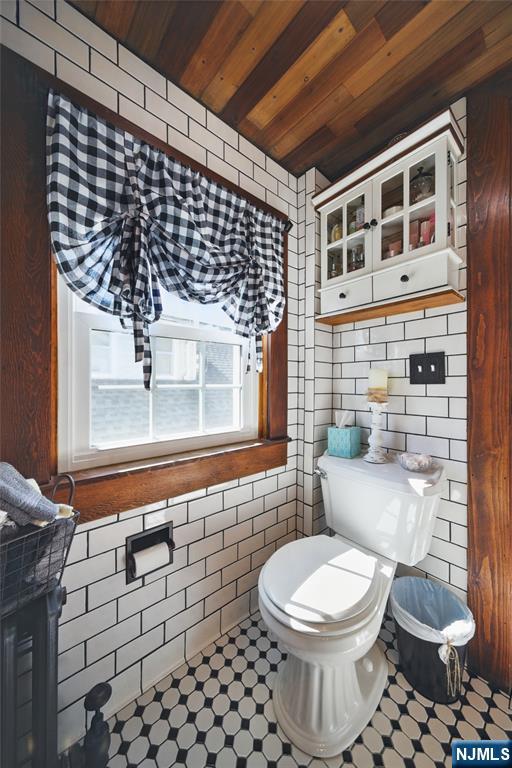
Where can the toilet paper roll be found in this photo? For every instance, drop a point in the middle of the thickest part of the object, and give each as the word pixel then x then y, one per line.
pixel 150 559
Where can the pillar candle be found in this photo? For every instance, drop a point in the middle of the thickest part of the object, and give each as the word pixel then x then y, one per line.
pixel 378 386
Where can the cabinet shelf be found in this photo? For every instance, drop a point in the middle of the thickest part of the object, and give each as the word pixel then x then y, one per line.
pixel 422 203
pixel 439 298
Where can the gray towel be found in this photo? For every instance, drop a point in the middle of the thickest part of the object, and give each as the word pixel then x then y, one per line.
pixel 23 503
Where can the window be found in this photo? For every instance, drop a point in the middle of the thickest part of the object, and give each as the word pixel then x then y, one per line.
pixel 201 395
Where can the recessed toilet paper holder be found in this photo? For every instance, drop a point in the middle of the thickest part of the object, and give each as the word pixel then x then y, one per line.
pixel 137 542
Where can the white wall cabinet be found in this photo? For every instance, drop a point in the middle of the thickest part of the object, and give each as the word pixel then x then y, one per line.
pixel 388 230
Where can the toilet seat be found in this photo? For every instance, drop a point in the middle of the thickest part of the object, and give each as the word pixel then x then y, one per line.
pixel 321 581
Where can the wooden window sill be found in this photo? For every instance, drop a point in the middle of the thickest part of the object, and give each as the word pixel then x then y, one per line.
pixel 104 491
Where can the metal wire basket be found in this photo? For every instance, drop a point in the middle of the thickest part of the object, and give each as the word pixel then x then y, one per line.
pixel 31 563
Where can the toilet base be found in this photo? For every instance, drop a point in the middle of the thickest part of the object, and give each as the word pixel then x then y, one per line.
pixel 321 708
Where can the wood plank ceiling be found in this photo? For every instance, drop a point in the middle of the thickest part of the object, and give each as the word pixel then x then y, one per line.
pixel 316 82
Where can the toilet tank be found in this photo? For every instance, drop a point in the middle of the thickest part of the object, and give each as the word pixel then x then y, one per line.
pixel 383 507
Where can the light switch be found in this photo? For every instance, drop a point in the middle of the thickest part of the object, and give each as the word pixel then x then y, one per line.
pixel 429 368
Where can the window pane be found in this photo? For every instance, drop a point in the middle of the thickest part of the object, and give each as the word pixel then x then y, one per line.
pixel 175 411
pixel 182 312
pixel 222 363
pixel 118 414
pixel 176 361
pixel 119 403
pixel 113 356
pixel 221 409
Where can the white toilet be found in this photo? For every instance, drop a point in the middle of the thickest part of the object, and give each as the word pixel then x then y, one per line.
pixel 324 598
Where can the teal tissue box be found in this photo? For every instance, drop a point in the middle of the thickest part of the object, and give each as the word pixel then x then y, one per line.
pixel 344 442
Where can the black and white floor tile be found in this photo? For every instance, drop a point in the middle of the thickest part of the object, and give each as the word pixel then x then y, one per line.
pixel 216 712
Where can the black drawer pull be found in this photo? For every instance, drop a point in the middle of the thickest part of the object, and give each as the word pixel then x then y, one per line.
pixel 366 225
pixel 373 223
pixel 404 279
pixel 343 295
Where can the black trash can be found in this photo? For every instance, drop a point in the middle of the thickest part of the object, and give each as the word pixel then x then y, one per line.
pixel 433 629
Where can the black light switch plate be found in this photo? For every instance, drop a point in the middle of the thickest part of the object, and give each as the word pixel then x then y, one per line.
pixel 427 369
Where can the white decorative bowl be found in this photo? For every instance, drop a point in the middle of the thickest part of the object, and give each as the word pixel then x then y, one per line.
pixel 416 462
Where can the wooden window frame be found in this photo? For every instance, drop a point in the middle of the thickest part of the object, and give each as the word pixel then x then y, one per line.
pixel 28 352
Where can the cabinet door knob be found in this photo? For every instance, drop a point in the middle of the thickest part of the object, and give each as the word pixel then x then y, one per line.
pixel 366 225
pixel 373 222
pixel 343 295
pixel 404 278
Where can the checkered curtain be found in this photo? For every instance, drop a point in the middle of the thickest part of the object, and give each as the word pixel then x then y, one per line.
pixel 126 221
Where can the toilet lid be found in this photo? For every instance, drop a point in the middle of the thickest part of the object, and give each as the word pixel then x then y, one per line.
pixel 320 579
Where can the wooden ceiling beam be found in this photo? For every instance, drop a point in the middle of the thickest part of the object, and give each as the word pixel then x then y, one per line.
pixel 338 100
pixel 314 145
pixel 478 70
pixel 149 26
pixel 421 27
pixel 320 88
pixel 190 24
pixel 327 46
pixel 268 24
pixel 223 34
pixel 360 14
pixel 282 73
pixel 300 33
pixel 252 6
pixel 497 28
pixel 396 14
pixel 106 14
pixel 348 126
pixel 342 152
pixel 471 46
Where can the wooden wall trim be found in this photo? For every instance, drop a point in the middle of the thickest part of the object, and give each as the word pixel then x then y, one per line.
pixel 111 490
pixel 27 318
pixel 28 315
pixel 489 111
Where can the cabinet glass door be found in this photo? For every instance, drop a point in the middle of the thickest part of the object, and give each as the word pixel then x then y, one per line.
pixel 392 196
pixel 407 206
pixel 422 203
pixel 347 236
pixel 335 243
pixel 452 201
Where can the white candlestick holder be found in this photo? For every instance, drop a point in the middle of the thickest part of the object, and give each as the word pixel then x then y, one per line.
pixel 376 453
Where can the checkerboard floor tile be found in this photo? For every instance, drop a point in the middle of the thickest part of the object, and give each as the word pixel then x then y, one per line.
pixel 217 711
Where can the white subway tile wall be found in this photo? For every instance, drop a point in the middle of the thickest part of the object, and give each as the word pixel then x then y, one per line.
pixel 430 419
pixel 134 635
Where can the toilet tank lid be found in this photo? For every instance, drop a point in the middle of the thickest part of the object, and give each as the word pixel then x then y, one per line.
pixel 390 475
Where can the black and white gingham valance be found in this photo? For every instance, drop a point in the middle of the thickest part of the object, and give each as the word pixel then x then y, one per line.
pixel 127 220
